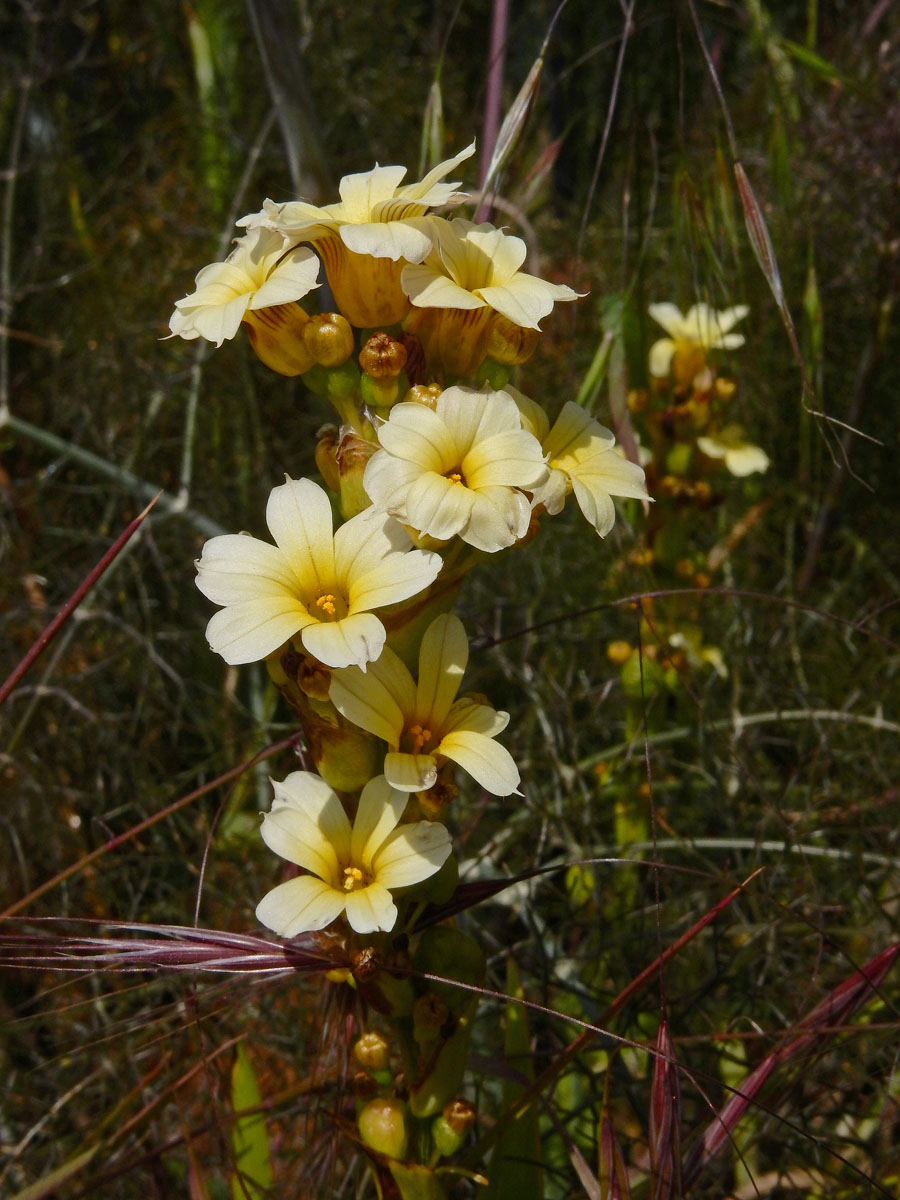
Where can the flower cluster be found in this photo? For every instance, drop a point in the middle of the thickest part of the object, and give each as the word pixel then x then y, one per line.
pixel 436 461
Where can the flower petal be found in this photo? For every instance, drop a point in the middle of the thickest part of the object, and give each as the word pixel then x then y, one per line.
pixel 525 299
pixel 376 700
pixel 408 239
pixel 438 506
pixel 412 853
pixel 356 640
pixel 299 518
pixel 379 812
pixel 371 908
pixel 489 763
pixel 300 906
pixel 427 288
pixel 660 357
pixel 410 772
pixel 419 435
pixel 235 567
pixel 499 517
pixel 669 316
pixel 307 825
pixel 398 578
pixel 250 630
pixel 443 656
pixel 291 280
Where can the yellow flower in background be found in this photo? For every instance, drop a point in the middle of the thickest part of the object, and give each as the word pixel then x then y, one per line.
pixel 582 458
pixel 263 271
pixel 352 868
pixel 472 274
pixel 366 238
pixel 457 469
pixel 740 458
pixel 423 723
pixel 315 584
pixel 702 328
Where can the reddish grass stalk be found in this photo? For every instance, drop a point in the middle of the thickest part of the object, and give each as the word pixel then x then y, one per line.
pixel 665 1116
pixel 46 637
pixel 837 1007
pixel 166 948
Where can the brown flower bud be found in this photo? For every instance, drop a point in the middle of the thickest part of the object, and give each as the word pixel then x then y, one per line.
pixel 383 357
pixel 424 393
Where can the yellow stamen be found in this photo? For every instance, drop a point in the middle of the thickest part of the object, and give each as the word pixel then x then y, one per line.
pixel 419 737
pixel 353 879
pixel 326 603
pixel 455 477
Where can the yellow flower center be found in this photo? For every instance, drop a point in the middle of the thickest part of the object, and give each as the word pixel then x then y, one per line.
pixel 418 737
pixel 329 606
pixel 456 477
pixel 353 879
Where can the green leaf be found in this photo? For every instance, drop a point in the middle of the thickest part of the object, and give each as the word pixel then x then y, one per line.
pixel 516 1161
pixel 249 1140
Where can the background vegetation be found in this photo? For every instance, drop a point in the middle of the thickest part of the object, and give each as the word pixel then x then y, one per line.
pixel 133 134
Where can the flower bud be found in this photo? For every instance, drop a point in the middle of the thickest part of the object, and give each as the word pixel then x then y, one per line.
pixel 329 339
pixel 372 1051
pixel 382 1126
pixel 725 388
pixel 382 357
pixel 619 652
pixel 492 373
pixel 424 393
pixel 277 337
pixel 450 1128
pixel 383 394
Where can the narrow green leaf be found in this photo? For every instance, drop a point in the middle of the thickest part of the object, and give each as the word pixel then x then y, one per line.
pixel 249 1139
pixel 516 1161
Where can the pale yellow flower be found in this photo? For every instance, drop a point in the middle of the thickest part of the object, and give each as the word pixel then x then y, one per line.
pixel 423 723
pixel 352 869
pixel 471 274
pixel 582 458
pixel 313 584
pixel 262 271
pixel 367 237
pixel 457 469
pixel 740 458
pixel 702 327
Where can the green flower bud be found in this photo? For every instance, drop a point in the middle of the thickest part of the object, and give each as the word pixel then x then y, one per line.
pixel 450 1128
pixel 372 1051
pixel 495 374
pixel 382 1126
